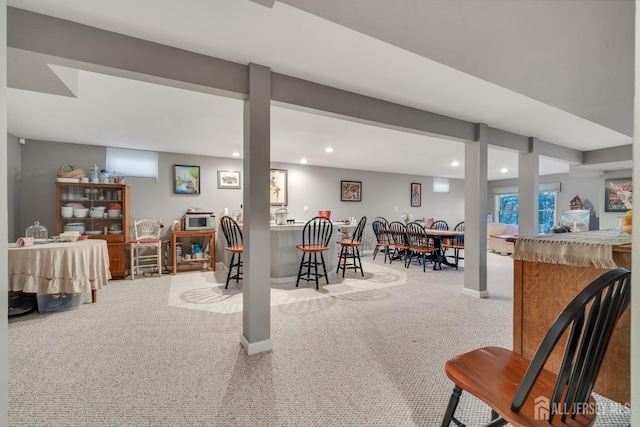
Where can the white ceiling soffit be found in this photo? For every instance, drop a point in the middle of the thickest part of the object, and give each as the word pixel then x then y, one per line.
pixel 575 55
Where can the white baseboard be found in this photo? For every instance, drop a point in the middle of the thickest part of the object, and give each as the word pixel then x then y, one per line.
pixel 256 347
pixel 474 293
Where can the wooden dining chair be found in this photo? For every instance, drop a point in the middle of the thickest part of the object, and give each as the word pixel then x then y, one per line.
pixel 521 391
pixel 398 232
pixel 233 236
pixel 383 238
pixel 419 244
pixel 350 249
pixel 315 240
pixel 457 243
pixel 439 225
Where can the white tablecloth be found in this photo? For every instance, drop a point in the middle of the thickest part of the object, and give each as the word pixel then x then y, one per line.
pixel 71 267
pixel 582 249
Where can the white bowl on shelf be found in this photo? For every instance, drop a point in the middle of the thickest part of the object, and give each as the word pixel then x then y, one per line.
pixel 96 214
pixel 80 213
pixel 66 211
pixel 114 213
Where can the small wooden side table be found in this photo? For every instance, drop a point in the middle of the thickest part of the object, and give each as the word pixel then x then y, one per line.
pixel 195 233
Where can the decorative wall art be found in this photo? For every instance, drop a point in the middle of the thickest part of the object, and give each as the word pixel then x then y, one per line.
pixel 278 187
pixel 228 179
pixel 576 219
pixel 350 191
pixel 618 195
pixel 416 195
pixel 186 179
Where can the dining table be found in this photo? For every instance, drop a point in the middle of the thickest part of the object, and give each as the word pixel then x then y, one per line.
pixel 439 237
pixel 59 267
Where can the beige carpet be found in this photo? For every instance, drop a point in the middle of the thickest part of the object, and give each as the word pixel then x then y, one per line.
pixel 373 357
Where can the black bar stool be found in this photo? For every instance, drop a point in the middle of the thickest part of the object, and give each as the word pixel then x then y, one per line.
pixel 350 249
pixel 233 235
pixel 315 240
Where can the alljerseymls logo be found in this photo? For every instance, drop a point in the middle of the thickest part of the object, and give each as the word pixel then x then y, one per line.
pixel 542 408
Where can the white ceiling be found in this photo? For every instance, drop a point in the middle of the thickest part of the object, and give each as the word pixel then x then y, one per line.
pixel 126 113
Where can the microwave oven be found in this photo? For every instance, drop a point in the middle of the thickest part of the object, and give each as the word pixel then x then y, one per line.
pixel 199 221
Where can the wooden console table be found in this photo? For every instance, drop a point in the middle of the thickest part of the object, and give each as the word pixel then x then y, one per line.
pixel 541 290
pixel 195 233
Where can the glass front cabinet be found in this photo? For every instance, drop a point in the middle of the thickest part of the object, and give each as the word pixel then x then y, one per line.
pixel 99 210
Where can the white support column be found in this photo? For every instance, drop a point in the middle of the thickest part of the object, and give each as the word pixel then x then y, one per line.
pixel 635 255
pixel 475 214
pixel 528 183
pixel 4 221
pixel 256 282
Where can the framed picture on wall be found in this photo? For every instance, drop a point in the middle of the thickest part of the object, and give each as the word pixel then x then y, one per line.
pixel 416 195
pixel 228 179
pixel 618 194
pixel 350 191
pixel 278 187
pixel 186 179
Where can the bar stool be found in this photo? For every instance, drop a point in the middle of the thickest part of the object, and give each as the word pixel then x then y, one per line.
pixel 315 240
pixel 233 235
pixel 146 236
pixel 350 249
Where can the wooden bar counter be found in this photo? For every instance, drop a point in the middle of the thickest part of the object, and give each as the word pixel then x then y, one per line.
pixel 541 290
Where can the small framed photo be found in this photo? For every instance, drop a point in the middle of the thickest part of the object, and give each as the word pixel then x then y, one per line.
pixel 416 195
pixel 186 179
pixel 228 179
pixel 350 191
pixel 278 187
pixel 618 194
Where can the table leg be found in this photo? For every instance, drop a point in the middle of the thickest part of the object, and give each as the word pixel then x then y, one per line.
pixel 173 253
pixel 212 252
pixel 94 295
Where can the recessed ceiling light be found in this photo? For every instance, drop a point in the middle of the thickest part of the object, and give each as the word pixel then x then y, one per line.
pixel 455 163
pixel 504 170
pixel 329 150
pixel 235 154
pixel 303 161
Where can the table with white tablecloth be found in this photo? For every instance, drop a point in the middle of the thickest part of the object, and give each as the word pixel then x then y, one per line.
pixel 70 267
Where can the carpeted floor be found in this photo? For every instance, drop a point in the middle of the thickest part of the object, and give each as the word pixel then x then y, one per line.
pixel 354 356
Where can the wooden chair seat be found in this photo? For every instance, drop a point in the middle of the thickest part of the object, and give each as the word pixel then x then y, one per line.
pixel 349 243
pixel 312 248
pixel 235 249
pixel 493 375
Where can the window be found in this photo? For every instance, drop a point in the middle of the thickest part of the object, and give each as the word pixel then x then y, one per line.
pixel 133 163
pixel 507 208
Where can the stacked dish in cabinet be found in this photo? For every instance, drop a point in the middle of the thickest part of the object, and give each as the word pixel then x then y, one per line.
pixel 101 211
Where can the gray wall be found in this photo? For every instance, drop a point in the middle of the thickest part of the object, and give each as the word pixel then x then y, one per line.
pixel 318 188
pixel 586 187
pixel 33 166
pixel 40 162
pixel 13 186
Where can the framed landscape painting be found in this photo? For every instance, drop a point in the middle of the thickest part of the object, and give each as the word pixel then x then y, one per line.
pixel 228 179
pixel 618 194
pixel 186 179
pixel 350 191
pixel 278 187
